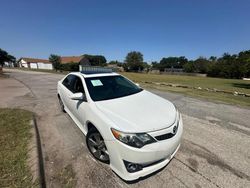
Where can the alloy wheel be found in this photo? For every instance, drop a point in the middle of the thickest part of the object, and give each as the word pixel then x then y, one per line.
pixel 97 147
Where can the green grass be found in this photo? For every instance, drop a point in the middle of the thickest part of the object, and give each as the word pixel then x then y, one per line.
pixel 193 81
pixel 14 139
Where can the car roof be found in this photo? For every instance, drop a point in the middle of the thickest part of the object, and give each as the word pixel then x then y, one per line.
pixel 95 74
pixel 99 74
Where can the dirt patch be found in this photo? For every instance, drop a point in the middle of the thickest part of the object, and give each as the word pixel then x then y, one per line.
pixel 193 163
pixel 66 177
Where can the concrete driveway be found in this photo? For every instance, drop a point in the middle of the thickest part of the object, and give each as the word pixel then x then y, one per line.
pixel 215 150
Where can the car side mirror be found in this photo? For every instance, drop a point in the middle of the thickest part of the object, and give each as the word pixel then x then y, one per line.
pixel 78 96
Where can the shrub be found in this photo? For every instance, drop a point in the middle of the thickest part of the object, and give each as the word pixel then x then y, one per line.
pixel 69 66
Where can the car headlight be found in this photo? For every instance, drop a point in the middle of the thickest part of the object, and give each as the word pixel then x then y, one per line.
pixel 137 140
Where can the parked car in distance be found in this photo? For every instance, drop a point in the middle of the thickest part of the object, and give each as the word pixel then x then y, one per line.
pixel 134 131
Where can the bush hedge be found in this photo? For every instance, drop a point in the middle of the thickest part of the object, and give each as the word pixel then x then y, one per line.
pixel 69 67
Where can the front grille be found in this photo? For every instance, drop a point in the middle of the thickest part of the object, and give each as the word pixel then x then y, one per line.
pixel 168 135
pixel 164 136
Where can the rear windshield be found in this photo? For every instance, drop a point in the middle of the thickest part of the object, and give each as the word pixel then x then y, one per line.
pixel 110 87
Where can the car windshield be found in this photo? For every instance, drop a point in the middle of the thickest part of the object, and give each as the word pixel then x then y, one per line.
pixel 110 87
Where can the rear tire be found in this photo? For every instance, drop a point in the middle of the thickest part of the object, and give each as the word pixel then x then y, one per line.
pixel 61 104
pixel 96 146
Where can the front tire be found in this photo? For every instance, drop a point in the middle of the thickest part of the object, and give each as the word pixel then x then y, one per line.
pixel 96 146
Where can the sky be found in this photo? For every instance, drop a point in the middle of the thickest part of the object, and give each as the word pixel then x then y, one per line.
pixel 156 28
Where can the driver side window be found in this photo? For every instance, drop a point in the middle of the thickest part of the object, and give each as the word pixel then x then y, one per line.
pixel 78 86
pixel 74 84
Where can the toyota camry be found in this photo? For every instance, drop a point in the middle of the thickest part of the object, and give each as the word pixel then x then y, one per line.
pixel 133 130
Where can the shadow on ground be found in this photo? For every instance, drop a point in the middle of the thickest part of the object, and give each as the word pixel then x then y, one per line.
pixel 240 85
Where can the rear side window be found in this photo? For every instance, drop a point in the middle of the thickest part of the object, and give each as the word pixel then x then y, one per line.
pixel 68 82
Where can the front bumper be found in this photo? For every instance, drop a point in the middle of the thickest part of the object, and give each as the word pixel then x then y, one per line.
pixel 158 154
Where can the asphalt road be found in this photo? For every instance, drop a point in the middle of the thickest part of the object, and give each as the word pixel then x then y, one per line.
pixel 215 150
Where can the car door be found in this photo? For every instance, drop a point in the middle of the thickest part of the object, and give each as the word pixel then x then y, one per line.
pixel 78 107
pixel 67 89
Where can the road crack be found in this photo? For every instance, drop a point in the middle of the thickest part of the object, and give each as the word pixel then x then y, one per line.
pixel 178 179
pixel 211 158
pixel 198 173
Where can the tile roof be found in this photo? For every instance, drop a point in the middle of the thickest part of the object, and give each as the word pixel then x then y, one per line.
pixel 35 60
pixel 68 59
pixel 64 59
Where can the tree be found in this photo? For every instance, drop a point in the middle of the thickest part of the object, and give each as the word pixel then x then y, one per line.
pixel 134 61
pixel 244 59
pixel 113 62
pixel 55 60
pixel 171 62
pixel 155 65
pixel 212 58
pixel 146 66
pixel 96 60
pixel 189 67
pixel 182 61
pixel 70 66
pixel 201 65
pixel 246 70
pixel 119 64
pixel 5 57
pixel 230 66
pixel 125 67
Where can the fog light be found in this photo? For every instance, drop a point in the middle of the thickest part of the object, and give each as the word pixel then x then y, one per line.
pixel 132 167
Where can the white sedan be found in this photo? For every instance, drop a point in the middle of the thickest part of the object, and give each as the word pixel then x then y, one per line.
pixel 133 130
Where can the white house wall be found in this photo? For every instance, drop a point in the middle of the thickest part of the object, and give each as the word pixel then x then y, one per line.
pixel 23 63
pixel 47 66
pixel 33 65
pixel 8 64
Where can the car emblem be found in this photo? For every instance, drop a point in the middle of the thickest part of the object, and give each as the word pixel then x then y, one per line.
pixel 174 129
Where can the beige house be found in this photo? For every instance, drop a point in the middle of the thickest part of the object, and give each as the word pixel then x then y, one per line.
pixel 34 63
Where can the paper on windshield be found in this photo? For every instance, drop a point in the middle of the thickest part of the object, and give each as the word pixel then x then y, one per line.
pixel 96 83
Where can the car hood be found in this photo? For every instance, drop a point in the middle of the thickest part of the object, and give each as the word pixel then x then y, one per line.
pixel 140 112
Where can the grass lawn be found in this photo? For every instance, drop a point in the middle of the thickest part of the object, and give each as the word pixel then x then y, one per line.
pixel 193 81
pixel 14 139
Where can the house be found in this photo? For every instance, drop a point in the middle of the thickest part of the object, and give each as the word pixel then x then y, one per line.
pixel 115 67
pixel 82 60
pixel 33 63
pixel 74 59
pixel 8 64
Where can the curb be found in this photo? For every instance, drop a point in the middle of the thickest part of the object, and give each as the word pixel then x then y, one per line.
pixel 35 160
